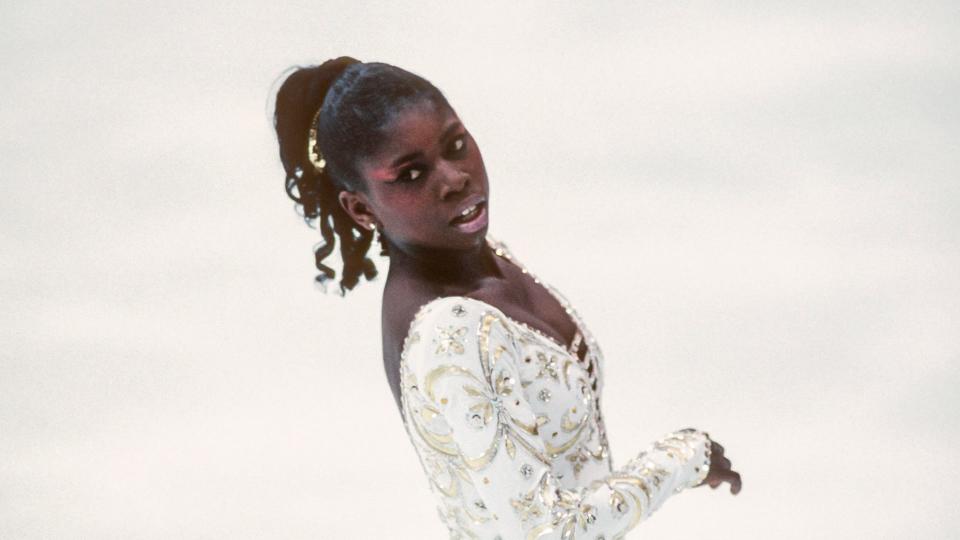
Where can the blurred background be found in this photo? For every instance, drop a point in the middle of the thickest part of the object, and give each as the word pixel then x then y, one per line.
pixel 753 205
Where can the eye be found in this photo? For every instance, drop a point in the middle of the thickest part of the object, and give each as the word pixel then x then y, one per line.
pixel 408 175
pixel 458 145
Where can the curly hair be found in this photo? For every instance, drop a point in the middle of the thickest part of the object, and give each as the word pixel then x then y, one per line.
pixel 353 103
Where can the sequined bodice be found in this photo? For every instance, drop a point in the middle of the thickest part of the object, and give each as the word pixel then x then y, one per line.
pixel 507 425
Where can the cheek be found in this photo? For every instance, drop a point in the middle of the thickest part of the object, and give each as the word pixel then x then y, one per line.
pixel 476 160
pixel 403 207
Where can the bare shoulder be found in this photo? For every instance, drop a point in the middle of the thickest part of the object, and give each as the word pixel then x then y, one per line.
pixel 401 301
pixel 403 298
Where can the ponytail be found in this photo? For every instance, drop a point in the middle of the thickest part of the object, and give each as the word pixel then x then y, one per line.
pixel 316 191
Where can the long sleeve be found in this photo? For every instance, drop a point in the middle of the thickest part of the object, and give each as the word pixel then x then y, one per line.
pixel 467 410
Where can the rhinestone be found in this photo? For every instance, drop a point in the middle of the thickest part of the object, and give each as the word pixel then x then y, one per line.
pixel 526 470
pixel 544 395
pixel 475 420
pixel 480 505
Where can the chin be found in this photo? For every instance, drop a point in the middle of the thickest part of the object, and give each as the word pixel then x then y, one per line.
pixel 469 241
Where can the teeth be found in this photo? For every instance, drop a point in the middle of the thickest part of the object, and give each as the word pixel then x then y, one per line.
pixel 468 210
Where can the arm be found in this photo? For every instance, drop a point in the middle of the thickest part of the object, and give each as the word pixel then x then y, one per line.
pixel 465 405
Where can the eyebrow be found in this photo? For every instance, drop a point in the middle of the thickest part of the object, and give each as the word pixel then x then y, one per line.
pixel 408 157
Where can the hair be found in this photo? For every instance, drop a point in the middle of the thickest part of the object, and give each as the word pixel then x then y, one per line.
pixel 353 103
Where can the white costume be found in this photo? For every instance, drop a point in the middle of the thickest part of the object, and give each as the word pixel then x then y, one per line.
pixel 507 425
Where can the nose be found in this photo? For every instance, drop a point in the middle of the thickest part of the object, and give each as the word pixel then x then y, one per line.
pixel 453 181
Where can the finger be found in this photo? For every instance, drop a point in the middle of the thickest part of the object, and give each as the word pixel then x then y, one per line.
pixel 724 462
pixel 714 482
pixel 717 449
pixel 735 482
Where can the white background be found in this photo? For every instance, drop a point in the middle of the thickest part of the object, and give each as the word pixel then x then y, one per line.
pixel 754 206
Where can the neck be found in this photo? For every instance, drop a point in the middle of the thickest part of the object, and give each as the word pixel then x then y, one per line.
pixel 453 271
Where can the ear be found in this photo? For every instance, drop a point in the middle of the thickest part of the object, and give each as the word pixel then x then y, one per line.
pixel 357 207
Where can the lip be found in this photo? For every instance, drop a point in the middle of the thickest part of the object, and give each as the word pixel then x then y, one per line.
pixel 478 222
pixel 467 203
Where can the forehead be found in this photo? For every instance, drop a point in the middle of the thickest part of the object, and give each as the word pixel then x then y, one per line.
pixel 417 128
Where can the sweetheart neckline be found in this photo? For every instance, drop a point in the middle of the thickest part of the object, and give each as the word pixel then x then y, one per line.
pixel 582 338
pixel 500 249
pixel 553 341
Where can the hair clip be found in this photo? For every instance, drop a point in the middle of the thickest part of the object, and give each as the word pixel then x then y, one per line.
pixel 313 149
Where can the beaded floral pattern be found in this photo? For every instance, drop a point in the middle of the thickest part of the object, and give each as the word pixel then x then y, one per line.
pixel 506 423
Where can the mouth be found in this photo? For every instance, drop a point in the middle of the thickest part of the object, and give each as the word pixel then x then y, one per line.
pixel 471 217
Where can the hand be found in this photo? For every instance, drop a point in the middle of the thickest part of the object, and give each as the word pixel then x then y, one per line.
pixel 720 470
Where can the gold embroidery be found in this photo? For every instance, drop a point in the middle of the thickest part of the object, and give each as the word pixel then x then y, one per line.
pixel 511 448
pixel 539 531
pixel 554 451
pixel 439 469
pixel 530 504
pixel 618 503
pixel 503 385
pixel 577 459
pixel 492 391
pixel 566 373
pixel 569 425
pixel 450 339
pixel 613 482
pixel 548 367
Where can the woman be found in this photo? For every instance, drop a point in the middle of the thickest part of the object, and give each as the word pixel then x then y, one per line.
pixel 497 379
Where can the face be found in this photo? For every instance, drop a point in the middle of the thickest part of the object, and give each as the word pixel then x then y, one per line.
pixel 426 185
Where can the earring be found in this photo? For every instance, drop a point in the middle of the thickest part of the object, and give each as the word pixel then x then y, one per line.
pixel 372 226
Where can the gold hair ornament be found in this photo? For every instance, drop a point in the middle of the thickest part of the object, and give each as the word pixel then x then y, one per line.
pixel 313 149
